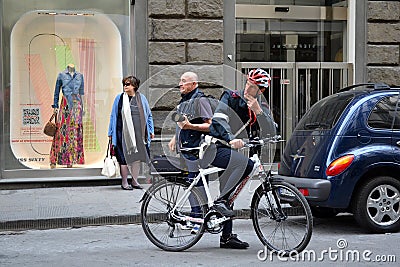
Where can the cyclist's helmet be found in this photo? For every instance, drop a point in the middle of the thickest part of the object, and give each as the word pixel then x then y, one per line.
pixel 259 77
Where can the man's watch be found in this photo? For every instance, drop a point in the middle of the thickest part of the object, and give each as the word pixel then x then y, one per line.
pixel 261 113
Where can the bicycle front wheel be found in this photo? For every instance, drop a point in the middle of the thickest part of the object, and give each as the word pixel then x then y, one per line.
pixel 282 218
pixel 167 229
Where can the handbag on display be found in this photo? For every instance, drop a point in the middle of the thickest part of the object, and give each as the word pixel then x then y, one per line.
pixel 50 128
pixel 111 165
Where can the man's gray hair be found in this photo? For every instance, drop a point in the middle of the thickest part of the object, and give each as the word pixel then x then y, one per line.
pixel 193 76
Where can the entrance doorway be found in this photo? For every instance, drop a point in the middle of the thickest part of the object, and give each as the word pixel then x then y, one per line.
pixel 304 45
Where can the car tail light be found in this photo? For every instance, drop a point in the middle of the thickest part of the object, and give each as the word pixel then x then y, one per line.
pixel 304 191
pixel 339 165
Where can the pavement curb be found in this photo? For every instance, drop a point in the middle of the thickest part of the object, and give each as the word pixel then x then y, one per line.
pixel 77 222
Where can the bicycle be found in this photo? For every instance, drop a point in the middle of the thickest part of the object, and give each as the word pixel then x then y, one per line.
pixel 280 214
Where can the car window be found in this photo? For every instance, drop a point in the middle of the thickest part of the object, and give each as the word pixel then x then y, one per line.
pixel 324 114
pixel 383 114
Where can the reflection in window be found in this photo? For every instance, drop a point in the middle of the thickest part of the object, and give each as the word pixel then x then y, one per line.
pixel 383 113
pixel 325 113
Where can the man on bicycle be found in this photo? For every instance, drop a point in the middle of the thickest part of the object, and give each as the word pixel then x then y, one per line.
pixel 240 114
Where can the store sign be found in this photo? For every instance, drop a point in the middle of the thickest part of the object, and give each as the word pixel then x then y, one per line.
pixel 294 46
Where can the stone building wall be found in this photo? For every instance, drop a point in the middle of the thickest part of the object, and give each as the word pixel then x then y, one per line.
pixel 183 35
pixel 383 42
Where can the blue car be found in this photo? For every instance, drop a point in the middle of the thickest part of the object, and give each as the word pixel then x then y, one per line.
pixel 344 156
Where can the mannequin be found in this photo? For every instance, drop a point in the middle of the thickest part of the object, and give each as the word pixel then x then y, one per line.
pixel 71 69
pixel 67 146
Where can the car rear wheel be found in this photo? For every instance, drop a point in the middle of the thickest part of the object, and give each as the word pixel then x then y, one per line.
pixel 377 205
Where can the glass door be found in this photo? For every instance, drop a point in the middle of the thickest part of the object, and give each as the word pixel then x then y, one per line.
pixel 264 40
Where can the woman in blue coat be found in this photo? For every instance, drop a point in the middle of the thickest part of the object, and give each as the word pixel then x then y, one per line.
pixel 131 129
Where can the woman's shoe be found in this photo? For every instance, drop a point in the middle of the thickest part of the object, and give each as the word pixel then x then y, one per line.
pixel 128 187
pixel 136 187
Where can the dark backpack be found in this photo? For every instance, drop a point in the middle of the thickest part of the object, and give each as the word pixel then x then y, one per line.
pixel 191 107
pixel 211 99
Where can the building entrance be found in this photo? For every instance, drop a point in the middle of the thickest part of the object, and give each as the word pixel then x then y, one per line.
pixel 304 45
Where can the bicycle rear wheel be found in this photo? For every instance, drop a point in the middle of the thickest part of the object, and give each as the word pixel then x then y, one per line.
pixel 282 218
pixel 164 230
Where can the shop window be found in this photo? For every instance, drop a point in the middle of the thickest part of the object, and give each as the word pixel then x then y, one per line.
pixel 42 44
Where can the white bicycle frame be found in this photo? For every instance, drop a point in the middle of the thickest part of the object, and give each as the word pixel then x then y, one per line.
pixel 202 175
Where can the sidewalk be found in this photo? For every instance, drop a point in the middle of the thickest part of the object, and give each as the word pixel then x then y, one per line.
pixel 45 208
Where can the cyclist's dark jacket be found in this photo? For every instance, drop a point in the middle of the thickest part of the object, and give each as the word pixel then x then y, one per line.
pixel 232 113
pixel 188 106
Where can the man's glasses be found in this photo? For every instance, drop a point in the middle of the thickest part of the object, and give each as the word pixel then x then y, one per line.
pixel 127 84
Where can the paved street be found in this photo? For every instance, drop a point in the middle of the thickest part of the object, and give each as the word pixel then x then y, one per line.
pixel 335 242
pixel 126 245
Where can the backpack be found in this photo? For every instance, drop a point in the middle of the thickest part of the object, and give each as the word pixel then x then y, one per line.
pixel 211 100
pixel 191 107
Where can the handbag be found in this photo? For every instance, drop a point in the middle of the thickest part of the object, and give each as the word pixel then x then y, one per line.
pixel 50 128
pixel 111 165
pixel 114 158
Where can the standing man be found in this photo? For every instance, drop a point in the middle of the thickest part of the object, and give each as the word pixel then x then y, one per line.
pixel 197 114
pixel 196 122
pixel 240 114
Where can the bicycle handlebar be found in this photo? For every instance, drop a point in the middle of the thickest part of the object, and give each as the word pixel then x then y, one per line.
pixel 250 143
pixel 260 142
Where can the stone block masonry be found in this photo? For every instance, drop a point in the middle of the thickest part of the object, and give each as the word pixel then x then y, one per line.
pixel 383 42
pixel 183 35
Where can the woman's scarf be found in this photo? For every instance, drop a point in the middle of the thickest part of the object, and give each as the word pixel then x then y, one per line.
pixel 127 125
pixel 143 123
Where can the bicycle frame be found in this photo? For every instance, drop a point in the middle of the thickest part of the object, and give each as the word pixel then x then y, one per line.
pixel 202 175
pixel 258 168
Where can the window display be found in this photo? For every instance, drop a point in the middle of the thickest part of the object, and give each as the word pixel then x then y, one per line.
pixel 70 61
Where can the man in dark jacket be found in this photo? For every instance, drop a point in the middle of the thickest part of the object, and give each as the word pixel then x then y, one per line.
pixel 240 114
pixel 196 122
pixel 197 113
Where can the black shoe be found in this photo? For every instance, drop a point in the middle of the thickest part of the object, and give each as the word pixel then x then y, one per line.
pixel 232 242
pixel 137 187
pixel 223 208
pixel 128 187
